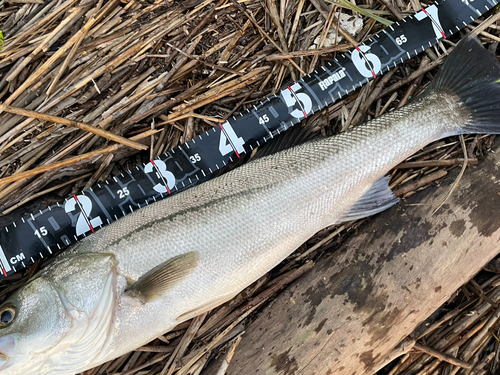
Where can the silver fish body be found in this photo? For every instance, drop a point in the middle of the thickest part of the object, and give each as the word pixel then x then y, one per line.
pixel 79 312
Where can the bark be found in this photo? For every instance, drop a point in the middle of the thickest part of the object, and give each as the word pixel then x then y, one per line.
pixel 348 314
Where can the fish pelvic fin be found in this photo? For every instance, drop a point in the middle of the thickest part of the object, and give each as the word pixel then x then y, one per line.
pixel 472 73
pixel 379 197
pixel 156 282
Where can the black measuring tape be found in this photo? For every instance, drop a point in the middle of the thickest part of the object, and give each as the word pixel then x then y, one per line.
pixel 41 234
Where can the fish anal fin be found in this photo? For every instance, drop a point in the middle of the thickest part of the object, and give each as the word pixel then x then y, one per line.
pixel 377 198
pixel 205 307
pixel 156 282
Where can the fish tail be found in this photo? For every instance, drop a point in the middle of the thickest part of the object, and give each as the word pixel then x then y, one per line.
pixel 473 74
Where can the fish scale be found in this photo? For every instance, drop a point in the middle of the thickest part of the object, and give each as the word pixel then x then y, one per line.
pixel 41 234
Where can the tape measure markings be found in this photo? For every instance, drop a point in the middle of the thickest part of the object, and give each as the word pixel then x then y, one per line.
pixel 160 174
pixel 83 214
pixel 4 262
pixel 438 26
pixel 228 140
pixel 366 61
pixel 58 226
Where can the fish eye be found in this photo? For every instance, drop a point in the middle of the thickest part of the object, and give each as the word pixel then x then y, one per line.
pixel 7 315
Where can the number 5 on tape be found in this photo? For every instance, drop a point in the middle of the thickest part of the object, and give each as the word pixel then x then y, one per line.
pixel 291 97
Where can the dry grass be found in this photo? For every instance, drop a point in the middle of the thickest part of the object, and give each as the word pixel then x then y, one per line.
pixel 127 67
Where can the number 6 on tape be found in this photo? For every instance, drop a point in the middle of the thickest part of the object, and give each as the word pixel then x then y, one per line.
pixel 361 58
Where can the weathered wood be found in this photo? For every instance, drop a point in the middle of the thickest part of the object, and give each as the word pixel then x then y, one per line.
pixel 348 313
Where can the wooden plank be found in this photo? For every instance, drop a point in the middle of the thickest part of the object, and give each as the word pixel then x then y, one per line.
pixel 357 304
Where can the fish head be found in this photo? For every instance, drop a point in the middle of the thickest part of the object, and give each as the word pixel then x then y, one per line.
pixel 60 321
pixel 32 323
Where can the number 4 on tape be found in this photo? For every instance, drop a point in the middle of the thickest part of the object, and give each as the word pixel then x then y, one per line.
pixel 229 141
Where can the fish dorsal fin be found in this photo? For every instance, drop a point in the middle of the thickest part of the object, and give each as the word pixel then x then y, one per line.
pixel 295 136
pixel 377 198
pixel 163 277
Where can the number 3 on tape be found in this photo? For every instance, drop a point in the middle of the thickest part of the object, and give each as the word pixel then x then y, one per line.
pixel 163 174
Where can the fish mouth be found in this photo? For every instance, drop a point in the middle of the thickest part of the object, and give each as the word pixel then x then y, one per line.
pixel 7 347
pixel 4 361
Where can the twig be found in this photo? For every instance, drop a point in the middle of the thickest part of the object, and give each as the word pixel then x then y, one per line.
pixel 412 77
pixel 215 341
pixel 442 356
pixel 417 184
pixel 46 191
pixel 436 163
pixel 265 35
pixel 181 348
pixel 76 159
pixel 414 85
pixel 394 10
pixel 462 171
pixel 335 24
pixel 232 348
pixel 309 52
pixel 75 124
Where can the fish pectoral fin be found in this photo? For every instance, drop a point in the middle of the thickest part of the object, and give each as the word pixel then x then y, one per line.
pixel 163 277
pixel 377 198
pixel 205 307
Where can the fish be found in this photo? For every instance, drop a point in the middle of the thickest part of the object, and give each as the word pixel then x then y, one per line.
pixel 139 277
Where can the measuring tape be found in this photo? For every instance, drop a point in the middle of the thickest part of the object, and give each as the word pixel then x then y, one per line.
pixel 43 233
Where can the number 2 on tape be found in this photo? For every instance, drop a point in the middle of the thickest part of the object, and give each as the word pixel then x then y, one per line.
pixel 82 226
